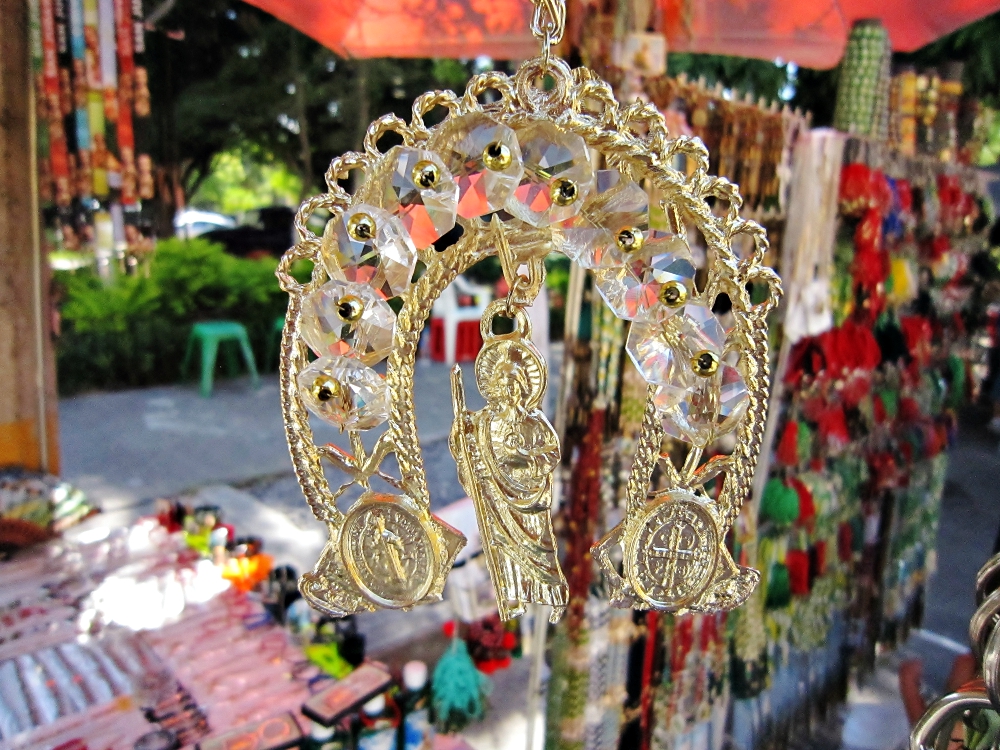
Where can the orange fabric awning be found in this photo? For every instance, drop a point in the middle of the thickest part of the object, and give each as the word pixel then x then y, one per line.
pixel 812 33
pixel 412 28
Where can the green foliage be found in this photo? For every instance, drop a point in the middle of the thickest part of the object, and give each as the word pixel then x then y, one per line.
pixel 762 78
pixel 133 331
pixel 241 180
pixel 451 74
pixel 240 79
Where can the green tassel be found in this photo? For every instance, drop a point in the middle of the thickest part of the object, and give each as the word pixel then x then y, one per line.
pixel 780 503
pixel 805 441
pixel 779 587
pixel 459 690
pixel 890 400
pixel 956 397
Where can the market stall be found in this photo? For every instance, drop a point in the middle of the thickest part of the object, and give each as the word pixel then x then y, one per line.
pixel 176 631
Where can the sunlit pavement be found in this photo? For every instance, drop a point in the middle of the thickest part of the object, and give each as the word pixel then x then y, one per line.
pixel 129 447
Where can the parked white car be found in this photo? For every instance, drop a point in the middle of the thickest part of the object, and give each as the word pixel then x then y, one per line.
pixel 191 222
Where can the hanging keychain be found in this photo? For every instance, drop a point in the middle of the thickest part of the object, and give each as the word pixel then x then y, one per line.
pixel 514 178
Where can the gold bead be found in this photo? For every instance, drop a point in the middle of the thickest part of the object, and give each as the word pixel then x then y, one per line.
pixel 705 363
pixel 497 157
pixel 630 239
pixel 673 294
pixel 563 192
pixel 361 227
pixel 350 308
pixel 426 174
pixel 326 388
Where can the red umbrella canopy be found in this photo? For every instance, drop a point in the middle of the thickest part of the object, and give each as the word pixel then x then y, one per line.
pixel 812 33
pixel 412 28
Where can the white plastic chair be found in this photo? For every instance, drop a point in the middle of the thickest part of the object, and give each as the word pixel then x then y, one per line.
pixel 446 308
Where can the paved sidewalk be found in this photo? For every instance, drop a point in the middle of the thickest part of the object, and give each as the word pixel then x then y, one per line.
pixel 127 448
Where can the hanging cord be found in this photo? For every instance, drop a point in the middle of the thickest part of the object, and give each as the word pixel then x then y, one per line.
pixel 548 23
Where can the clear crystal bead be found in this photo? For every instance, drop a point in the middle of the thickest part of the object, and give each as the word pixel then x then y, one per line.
pixel 698 395
pixel 652 355
pixel 557 176
pixel 638 289
pixel 624 208
pixel 580 240
pixel 427 209
pixel 484 158
pixel 700 330
pixel 349 319
pixel 605 179
pixel 712 407
pixel 383 258
pixel 345 393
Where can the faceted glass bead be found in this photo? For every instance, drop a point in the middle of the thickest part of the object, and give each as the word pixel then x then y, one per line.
pixel 349 319
pixel 700 330
pixel 345 393
pixel 422 192
pixel 369 246
pixel 712 407
pixel 557 176
pixel 605 179
pixel 624 212
pixel 485 161
pixel 699 396
pixel 653 356
pixel 652 287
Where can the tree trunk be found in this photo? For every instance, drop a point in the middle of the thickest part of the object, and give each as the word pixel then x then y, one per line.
pixel 29 431
pixel 364 117
pixel 302 117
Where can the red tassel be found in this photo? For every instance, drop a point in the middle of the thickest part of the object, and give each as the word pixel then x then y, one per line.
pixel 856 387
pixel 788 449
pixel 939 246
pixel 820 557
pixel 909 410
pixel 807 507
pixel 833 426
pixel 878 407
pixel 881 193
pixel 905 195
pixel 855 189
pixel 845 542
pixel 797 562
pixel 868 235
pixel 917 331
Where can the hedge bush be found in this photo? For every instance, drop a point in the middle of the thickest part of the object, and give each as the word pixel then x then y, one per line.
pixel 133 331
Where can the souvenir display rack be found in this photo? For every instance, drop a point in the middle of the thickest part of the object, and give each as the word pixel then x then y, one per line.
pixel 871 354
pixel 91 95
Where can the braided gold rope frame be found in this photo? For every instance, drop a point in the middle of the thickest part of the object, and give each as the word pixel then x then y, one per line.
pixel 634 140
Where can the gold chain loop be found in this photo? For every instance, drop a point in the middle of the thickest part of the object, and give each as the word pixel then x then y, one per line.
pixel 521 289
pixel 548 22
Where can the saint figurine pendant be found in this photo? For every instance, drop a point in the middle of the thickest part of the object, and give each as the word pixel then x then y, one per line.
pixel 506 455
pixel 543 161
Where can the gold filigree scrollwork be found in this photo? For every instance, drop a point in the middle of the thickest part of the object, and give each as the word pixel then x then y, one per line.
pixel 388 550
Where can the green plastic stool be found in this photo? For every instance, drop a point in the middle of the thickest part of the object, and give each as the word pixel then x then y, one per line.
pixel 274 341
pixel 211 335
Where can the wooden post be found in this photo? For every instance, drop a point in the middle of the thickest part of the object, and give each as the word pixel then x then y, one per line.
pixel 29 435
